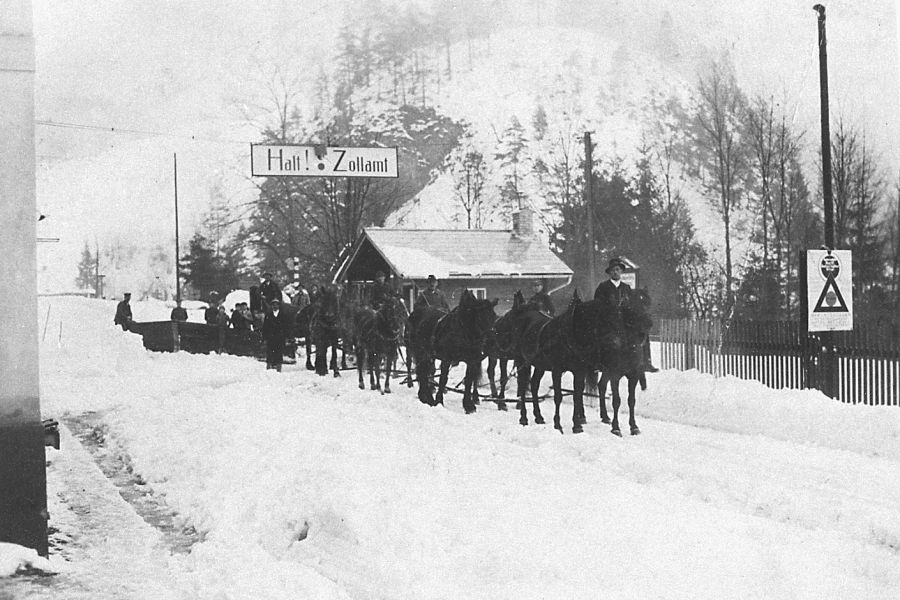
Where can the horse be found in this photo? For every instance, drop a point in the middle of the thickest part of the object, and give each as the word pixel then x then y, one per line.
pixel 568 342
pixel 325 330
pixel 377 337
pixel 621 354
pixel 454 337
pixel 509 332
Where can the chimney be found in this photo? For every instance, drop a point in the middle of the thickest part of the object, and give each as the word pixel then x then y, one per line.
pixel 523 223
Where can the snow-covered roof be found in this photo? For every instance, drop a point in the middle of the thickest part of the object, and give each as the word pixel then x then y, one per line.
pixel 453 253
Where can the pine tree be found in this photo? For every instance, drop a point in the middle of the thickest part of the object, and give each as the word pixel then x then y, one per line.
pixel 511 154
pixel 87 266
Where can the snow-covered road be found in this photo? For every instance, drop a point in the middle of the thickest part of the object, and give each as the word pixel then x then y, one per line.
pixel 302 486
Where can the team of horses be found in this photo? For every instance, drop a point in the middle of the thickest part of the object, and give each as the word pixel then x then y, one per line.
pixel 589 339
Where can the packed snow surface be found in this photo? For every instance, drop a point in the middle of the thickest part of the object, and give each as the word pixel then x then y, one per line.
pixel 302 486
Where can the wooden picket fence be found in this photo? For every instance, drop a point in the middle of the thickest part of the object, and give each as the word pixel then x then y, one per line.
pixel 860 366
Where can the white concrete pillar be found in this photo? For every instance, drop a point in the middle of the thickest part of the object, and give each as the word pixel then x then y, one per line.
pixel 23 484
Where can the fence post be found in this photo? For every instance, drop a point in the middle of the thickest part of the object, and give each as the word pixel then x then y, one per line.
pixel 689 345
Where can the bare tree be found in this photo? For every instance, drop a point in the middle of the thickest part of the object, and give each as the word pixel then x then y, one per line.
pixel 719 115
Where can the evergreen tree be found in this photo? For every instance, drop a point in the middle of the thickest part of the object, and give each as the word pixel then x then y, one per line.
pixel 87 269
pixel 511 154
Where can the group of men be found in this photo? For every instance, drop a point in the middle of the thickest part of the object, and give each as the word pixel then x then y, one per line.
pixel 613 291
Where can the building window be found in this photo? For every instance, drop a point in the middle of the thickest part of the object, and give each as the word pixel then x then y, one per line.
pixel 479 293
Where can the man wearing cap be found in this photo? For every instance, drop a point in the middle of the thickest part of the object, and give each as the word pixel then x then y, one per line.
pixel 123 312
pixel 274 331
pixel 432 296
pixel 542 299
pixel 615 292
pixel 381 291
pixel 269 289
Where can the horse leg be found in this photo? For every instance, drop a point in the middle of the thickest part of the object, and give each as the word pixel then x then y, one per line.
pixel 616 402
pixel 360 359
pixel 309 365
pixel 535 386
pixel 334 366
pixel 632 385
pixel 424 369
pixel 321 359
pixel 577 402
pixel 504 378
pixel 491 371
pixel 601 393
pixel 523 371
pixel 442 382
pixel 390 360
pixel 470 386
pixel 557 396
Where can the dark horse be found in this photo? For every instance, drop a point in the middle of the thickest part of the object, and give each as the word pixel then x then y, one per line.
pixel 621 355
pixel 302 330
pixel 325 329
pixel 568 342
pixel 454 337
pixel 377 335
pixel 524 318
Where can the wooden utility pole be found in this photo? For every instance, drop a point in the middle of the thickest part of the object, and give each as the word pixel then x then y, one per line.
pixel 589 216
pixel 177 251
pixel 23 477
pixel 829 364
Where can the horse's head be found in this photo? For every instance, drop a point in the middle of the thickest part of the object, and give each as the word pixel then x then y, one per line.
pixel 328 305
pixel 636 312
pixel 508 328
pixel 392 316
pixel 477 316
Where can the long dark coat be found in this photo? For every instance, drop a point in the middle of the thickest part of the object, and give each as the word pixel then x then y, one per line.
pixel 275 330
pixel 123 315
pixel 611 295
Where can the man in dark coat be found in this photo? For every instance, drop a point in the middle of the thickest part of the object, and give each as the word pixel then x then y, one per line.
pixel 381 291
pixel 123 312
pixel 615 292
pixel 274 331
pixel 210 315
pixel 542 299
pixel 179 313
pixel 432 296
pixel 269 289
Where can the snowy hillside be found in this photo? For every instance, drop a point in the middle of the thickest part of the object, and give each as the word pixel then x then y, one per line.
pixel 304 486
pixel 198 81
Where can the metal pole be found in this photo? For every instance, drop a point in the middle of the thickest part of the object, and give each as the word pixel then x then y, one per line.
pixel 588 205
pixel 826 132
pixel 177 256
pixel 23 475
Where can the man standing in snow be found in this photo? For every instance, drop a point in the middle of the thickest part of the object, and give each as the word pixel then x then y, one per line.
pixel 123 312
pixel 274 331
